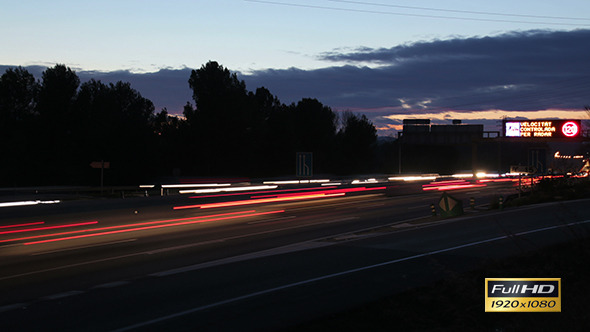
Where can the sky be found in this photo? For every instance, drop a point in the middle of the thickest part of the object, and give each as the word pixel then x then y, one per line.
pixel 477 61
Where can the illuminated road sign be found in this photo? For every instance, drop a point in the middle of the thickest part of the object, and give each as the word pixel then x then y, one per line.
pixel 543 129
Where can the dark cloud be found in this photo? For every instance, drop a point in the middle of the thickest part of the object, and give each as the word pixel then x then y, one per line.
pixel 165 88
pixel 519 71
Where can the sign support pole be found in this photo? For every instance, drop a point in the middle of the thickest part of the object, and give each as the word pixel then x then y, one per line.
pixel 101 176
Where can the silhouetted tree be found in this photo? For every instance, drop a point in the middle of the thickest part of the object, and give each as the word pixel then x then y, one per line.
pixel 313 129
pixel 18 96
pixel 221 119
pixel 58 146
pixel 356 141
pixel 117 125
pixel 51 130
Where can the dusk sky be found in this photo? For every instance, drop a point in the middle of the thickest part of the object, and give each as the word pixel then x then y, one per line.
pixel 472 60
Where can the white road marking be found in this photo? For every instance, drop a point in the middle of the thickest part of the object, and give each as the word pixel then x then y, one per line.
pixel 112 284
pixel 333 275
pixel 61 295
pixel 157 251
pixel 259 254
pixel 13 307
pixel 270 220
pixel 82 247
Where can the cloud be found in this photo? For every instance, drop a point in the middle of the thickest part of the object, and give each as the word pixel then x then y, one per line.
pixel 165 88
pixel 513 74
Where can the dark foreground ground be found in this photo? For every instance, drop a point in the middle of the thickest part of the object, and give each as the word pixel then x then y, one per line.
pixel 457 302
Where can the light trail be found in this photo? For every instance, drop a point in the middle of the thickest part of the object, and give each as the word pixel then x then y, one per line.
pixel 254 201
pixel 49 227
pixel 125 226
pixel 328 192
pixel 27 203
pixel 450 185
pixel 257 192
pixel 152 227
pixel 23 225
pixel 280 198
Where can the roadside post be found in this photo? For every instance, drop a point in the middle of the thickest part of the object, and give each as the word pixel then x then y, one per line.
pixel 102 165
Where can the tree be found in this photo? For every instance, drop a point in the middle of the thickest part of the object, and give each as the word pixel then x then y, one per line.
pixel 221 120
pixel 356 140
pixel 116 124
pixel 312 127
pixel 59 87
pixel 18 96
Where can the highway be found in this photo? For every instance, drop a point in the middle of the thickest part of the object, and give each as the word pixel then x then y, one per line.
pixel 250 262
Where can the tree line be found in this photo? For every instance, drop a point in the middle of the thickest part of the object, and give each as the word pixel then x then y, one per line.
pixel 53 128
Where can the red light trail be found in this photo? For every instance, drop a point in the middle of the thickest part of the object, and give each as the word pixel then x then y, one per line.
pixel 233 216
pixel 258 192
pixel 125 226
pixel 23 225
pixel 280 198
pixel 450 185
pixel 48 227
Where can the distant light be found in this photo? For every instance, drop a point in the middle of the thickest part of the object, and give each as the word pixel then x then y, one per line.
pixel 413 178
pixel 146 186
pixel 220 190
pixel 296 181
pixel 27 203
pixel 463 175
pixel 196 185
pixel 282 182
pixel 371 180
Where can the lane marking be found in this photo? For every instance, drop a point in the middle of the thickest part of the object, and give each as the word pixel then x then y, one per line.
pixel 13 307
pixel 370 205
pixel 82 247
pixel 418 207
pixel 68 266
pixel 147 252
pixel 112 284
pixel 157 251
pixel 270 220
pixel 333 275
pixel 234 259
pixel 61 295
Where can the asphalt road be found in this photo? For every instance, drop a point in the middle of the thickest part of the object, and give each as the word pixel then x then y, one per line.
pixel 147 266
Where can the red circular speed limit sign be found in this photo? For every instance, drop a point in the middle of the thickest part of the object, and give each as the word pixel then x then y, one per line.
pixel 570 129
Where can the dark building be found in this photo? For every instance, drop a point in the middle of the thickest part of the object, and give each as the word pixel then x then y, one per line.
pixel 420 131
pixel 456 147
